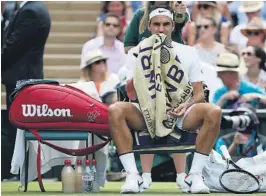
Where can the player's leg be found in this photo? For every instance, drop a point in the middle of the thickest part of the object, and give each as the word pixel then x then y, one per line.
pixel 208 117
pixel 124 117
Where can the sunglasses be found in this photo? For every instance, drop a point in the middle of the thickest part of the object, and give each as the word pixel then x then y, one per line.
pixel 204 6
pixel 250 33
pixel 110 24
pixel 247 53
pixel 203 26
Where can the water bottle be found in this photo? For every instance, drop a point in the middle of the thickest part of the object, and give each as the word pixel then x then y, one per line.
pixel 68 178
pixel 95 186
pixel 87 178
pixel 78 177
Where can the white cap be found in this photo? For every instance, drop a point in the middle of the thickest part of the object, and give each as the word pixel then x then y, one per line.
pixel 161 12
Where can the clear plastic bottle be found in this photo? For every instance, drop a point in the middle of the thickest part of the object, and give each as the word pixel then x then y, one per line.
pixel 68 178
pixel 87 178
pixel 95 186
pixel 78 177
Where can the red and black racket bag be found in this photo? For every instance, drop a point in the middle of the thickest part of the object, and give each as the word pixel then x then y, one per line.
pixel 45 105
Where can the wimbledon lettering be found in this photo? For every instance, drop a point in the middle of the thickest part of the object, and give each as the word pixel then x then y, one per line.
pixel 30 110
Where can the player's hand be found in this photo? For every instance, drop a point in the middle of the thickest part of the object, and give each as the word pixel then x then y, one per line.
pixel 179 111
pixel 248 97
pixel 231 95
pixel 180 8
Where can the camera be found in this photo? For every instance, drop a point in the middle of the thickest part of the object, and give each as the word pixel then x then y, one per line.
pixel 242 119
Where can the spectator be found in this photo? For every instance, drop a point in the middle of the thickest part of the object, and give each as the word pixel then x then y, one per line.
pixel 95 69
pixel 138 27
pixel 247 143
pixel 252 9
pixel 255 59
pixel 108 44
pixel 239 16
pixel 136 5
pixel 23 46
pixel 122 9
pixel 210 9
pixel 235 89
pixel 207 47
pixel 255 32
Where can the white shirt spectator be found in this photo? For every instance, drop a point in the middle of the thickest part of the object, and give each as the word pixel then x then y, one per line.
pixel 237 38
pixel 115 54
pixel 261 82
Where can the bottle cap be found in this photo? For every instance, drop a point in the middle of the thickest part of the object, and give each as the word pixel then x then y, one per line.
pixel 79 162
pixel 67 162
pixel 93 162
pixel 88 162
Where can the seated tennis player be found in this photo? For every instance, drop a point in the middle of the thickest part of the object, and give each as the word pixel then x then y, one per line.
pixel 162 75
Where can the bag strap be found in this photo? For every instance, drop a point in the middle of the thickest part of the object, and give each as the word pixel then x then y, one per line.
pixel 38 159
pixel 73 152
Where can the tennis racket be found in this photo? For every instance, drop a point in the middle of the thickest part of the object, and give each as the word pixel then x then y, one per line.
pixel 237 180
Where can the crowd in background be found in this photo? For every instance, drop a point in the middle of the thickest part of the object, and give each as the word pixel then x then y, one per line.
pixel 228 36
pixel 228 33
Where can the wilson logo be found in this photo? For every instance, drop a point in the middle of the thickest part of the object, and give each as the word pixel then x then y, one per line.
pixel 43 110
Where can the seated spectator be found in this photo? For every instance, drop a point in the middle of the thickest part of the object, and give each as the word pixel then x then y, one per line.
pixel 255 59
pixel 255 32
pixel 246 143
pixel 135 5
pixel 252 10
pixel 107 44
pixel 138 27
pixel 235 89
pixel 95 69
pixel 210 9
pixel 120 8
pixel 207 47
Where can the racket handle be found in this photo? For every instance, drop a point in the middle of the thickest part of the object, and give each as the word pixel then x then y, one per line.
pixel 225 152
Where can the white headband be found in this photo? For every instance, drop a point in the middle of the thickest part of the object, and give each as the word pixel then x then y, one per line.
pixel 161 12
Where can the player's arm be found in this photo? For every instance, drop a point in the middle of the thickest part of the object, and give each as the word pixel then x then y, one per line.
pixel 196 78
pixel 198 94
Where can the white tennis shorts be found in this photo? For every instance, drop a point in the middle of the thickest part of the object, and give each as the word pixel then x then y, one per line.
pixel 179 121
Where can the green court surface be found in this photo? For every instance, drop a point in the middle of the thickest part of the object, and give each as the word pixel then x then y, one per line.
pixel 110 189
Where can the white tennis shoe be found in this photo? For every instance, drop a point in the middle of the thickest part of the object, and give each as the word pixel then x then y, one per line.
pixel 132 184
pixel 196 184
pixel 147 181
pixel 180 183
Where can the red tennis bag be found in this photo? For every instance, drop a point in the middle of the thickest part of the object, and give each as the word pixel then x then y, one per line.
pixel 56 107
pixel 46 105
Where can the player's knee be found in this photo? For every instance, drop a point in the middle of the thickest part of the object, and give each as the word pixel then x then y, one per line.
pixel 214 114
pixel 115 110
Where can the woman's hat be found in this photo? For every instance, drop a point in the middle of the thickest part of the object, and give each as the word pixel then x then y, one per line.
pixel 92 57
pixel 255 24
pixel 227 62
pixel 251 6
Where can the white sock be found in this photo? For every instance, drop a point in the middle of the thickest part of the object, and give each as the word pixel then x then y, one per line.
pixel 146 174
pixel 199 162
pixel 129 163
